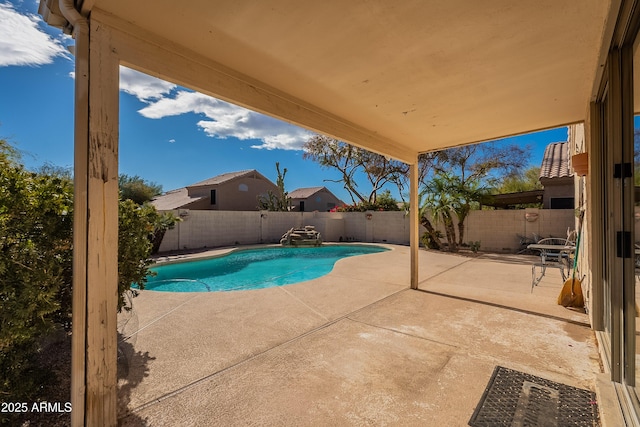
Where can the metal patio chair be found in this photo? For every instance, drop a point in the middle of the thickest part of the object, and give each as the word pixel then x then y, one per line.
pixel 556 252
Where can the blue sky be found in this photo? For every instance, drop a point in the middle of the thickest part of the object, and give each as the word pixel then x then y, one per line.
pixel 168 135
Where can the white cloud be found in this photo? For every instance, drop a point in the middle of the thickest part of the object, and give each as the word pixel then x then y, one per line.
pixel 22 42
pixel 143 86
pixel 183 102
pixel 227 120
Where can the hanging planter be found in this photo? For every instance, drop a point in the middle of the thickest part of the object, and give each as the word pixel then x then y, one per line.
pixel 580 163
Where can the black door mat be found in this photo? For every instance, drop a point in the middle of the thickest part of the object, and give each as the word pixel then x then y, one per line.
pixel 517 399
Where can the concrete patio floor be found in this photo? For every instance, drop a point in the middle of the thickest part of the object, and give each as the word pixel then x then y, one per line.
pixel 355 347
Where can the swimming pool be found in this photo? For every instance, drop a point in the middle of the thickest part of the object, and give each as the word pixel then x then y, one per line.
pixel 253 268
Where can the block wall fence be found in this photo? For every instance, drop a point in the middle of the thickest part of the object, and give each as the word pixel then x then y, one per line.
pixel 497 231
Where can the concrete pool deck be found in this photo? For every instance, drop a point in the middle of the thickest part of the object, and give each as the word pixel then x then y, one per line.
pixel 355 347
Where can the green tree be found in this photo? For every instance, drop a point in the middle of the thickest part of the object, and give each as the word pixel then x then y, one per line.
pixel 141 192
pixel 352 161
pixel 488 161
pixel 276 202
pixel 163 222
pixel 467 198
pixel 440 198
pixel 431 237
pixel 137 189
pixel 525 181
pixel 465 173
pixel 384 202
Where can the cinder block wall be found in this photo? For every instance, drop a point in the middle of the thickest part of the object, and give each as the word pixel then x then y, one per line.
pixel 355 227
pixel 497 231
pixel 205 229
pixel 501 230
pixel 555 222
pixel 389 227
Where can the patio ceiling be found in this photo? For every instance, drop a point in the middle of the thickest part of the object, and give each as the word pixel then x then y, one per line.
pixel 418 75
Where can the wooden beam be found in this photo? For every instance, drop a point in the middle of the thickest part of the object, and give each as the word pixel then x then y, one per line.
pixel 80 216
pixel 94 348
pixel 414 230
pixel 164 59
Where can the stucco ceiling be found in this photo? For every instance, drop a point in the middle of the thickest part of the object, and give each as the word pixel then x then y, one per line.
pixel 424 74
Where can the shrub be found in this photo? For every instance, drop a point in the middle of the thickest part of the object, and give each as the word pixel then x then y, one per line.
pixel 35 266
pixel 36 216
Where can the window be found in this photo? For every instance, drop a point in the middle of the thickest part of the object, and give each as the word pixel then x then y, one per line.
pixel 562 203
pixel 213 197
pixel 243 187
pixel 302 206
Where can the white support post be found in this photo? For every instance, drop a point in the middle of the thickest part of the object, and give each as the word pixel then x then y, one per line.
pixel 95 283
pixel 414 231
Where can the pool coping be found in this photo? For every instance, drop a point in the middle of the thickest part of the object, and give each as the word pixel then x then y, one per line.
pixel 211 253
pixel 223 252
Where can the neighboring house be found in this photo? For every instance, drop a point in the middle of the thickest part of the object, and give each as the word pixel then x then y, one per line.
pixel 233 191
pixel 313 199
pixel 513 200
pixel 557 178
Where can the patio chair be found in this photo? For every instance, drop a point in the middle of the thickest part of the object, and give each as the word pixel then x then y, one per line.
pixel 558 257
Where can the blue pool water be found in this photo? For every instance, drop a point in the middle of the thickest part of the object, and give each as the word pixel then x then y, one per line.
pixel 253 269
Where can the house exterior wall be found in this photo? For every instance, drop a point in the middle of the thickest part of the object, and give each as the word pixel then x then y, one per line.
pixel 240 194
pixel 556 188
pixel 581 141
pixel 497 231
pixel 322 201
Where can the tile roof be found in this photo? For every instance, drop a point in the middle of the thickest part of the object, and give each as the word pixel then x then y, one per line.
pixel 303 193
pixel 555 162
pixel 174 199
pixel 219 179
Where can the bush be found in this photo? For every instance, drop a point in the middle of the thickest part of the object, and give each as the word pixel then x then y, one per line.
pixel 474 246
pixel 384 202
pixel 363 207
pixel 36 216
pixel 35 266
pixel 136 227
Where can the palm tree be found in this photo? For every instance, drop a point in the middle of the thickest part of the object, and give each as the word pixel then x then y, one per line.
pixel 432 235
pixel 465 195
pixel 439 198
